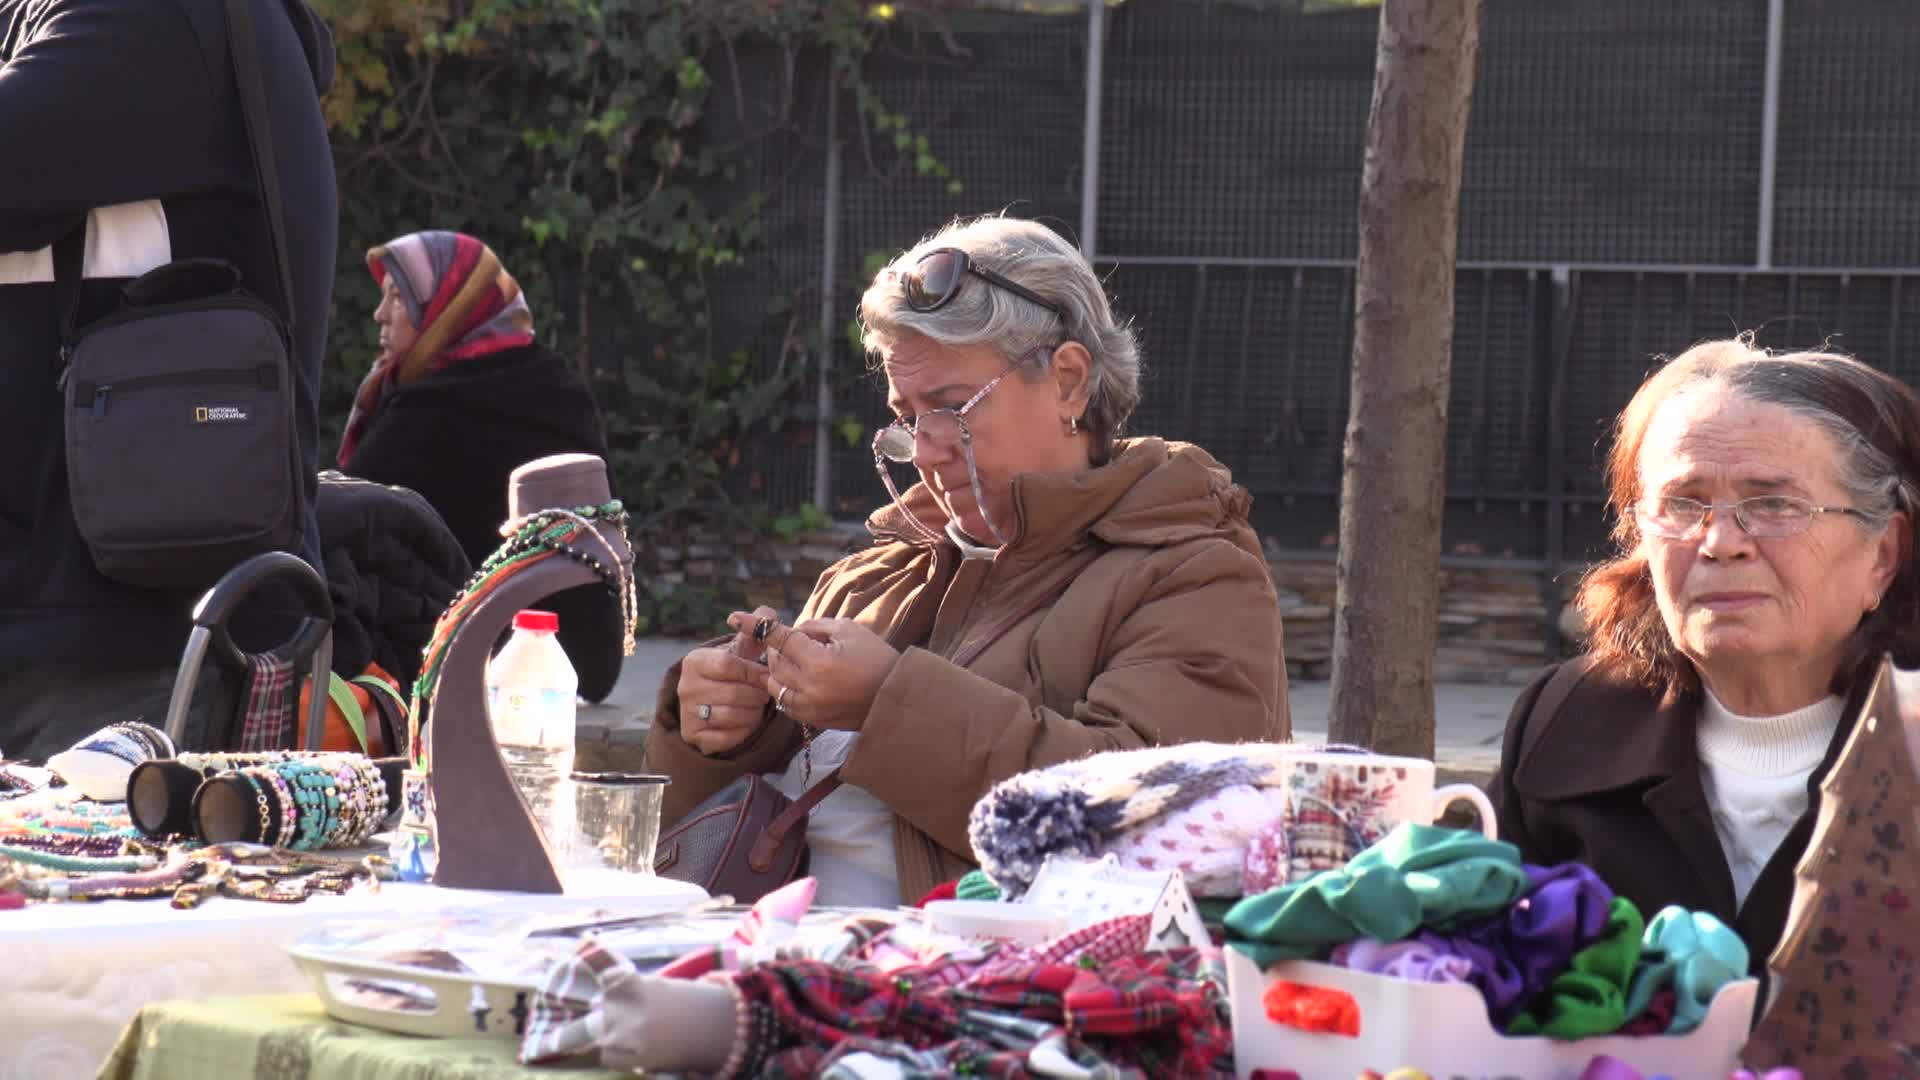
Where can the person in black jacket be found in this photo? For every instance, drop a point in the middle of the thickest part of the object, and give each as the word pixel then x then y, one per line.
pixel 1765 565
pixel 460 396
pixel 125 115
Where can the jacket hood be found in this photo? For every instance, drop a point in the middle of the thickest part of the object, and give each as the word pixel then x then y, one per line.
pixel 1152 493
pixel 316 41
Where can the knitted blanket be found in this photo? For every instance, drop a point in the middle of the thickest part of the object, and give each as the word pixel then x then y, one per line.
pixel 1083 807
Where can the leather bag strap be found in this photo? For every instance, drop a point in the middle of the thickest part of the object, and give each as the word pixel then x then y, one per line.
pixel 770 839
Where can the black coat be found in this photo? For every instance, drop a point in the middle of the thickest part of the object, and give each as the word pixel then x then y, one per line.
pixel 392 568
pixel 455 437
pixel 1611 778
pixel 109 102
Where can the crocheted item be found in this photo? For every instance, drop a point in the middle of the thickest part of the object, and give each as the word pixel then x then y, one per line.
pixel 975 885
pixel 1082 807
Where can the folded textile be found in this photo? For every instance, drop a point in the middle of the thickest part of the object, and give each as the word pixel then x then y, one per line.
pixel 1514 954
pixel 1590 997
pixel 1695 954
pixel 1082 807
pixel 1207 842
pixel 1417 875
pixel 1145 1015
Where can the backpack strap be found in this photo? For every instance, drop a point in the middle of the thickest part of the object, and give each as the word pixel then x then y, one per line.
pixel 266 173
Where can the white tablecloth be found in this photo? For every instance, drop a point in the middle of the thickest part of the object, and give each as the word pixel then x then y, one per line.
pixel 73 975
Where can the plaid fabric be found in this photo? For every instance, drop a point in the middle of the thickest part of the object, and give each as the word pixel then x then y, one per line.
pixel 567 1018
pixel 267 722
pixel 1099 943
pixel 1146 1014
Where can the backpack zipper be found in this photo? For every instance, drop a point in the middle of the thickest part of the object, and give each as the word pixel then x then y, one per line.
pixel 96 395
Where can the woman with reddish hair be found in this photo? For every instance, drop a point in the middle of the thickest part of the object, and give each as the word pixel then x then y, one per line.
pixel 460 395
pixel 1765 510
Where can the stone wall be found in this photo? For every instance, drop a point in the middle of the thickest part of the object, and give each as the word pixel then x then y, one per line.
pixel 1494 624
pixel 757 570
pixel 1493 621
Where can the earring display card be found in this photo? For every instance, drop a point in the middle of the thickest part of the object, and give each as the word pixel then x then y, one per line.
pixel 1090 891
pixel 1845 972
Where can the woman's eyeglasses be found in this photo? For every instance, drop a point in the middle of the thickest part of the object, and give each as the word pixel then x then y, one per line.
pixel 1765 516
pixel 936 278
pixel 942 427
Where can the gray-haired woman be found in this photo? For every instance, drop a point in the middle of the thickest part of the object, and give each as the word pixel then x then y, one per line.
pixel 1045 590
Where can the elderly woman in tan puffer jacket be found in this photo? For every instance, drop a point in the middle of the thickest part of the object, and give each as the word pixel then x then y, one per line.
pixel 1044 591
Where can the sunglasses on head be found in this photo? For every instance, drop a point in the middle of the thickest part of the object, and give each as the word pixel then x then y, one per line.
pixel 936 277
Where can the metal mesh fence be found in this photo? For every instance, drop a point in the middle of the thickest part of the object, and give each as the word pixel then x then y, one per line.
pixel 1849 189
pixel 1603 132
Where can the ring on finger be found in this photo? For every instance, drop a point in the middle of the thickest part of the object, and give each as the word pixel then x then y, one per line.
pixel 706 712
pixel 780 703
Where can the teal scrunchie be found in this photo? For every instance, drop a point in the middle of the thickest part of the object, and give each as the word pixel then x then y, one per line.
pixel 1693 952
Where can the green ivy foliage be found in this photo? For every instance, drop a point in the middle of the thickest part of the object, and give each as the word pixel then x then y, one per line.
pixel 570 136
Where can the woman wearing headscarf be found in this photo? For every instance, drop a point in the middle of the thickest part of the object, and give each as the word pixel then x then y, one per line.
pixel 462 394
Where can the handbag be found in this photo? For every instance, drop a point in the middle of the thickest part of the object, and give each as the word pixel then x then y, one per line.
pixel 748 839
pixel 183 452
pixel 744 841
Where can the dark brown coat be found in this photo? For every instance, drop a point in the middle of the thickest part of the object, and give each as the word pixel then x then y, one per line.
pixel 1611 778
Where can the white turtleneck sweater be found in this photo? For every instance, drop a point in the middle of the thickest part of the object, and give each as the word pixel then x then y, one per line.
pixel 1755 770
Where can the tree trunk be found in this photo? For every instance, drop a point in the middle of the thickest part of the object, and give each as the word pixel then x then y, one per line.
pixel 1393 486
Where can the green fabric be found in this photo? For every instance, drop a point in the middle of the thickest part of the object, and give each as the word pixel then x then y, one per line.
pixel 342 697
pixel 1417 875
pixel 1590 997
pixel 1693 952
pixel 1213 909
pixel 290 1037
pixel 976 885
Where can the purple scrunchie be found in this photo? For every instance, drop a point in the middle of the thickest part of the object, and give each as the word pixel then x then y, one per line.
pixel 1515 954
pixel 1414 961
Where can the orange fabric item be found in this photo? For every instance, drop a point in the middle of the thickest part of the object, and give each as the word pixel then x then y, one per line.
pixel 339 736
pixel 1313 1008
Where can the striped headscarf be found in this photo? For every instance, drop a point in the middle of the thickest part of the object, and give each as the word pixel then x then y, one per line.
pixel 463 303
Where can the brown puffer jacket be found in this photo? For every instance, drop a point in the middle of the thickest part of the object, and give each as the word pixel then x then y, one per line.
pixel 1165 629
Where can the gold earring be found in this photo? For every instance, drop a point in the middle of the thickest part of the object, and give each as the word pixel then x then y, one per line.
pixel 1073 425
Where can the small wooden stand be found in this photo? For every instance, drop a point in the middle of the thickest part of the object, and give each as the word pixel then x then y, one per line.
pixel 485 835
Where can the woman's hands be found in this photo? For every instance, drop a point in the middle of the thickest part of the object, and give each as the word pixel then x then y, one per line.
pixel 723 694
pixel 824 673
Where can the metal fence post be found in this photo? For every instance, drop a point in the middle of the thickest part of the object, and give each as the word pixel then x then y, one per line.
pixel 1090 133
pixel 1562 298
pixel 829 258
pixel 1770 132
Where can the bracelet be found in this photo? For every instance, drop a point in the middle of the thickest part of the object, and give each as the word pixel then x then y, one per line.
pixel 756 1034
pixel 260 796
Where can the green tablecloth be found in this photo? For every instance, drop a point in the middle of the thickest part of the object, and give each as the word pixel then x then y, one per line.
pixel 290 1037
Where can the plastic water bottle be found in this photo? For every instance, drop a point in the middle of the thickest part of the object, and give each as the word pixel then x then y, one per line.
pixel 531 692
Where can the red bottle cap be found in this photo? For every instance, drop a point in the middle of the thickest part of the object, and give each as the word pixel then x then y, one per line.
pixel 536 620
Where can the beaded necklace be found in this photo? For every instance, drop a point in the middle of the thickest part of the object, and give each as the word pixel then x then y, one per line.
pixel 546 534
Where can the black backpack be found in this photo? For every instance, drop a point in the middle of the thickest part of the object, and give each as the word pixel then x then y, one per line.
pixel 183 456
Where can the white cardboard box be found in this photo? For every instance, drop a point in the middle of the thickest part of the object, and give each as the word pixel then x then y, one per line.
pixel 1443 1030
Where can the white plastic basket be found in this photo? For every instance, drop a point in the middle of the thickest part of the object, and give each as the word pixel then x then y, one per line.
pixel 443 1005
pixel 1443 1030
